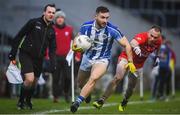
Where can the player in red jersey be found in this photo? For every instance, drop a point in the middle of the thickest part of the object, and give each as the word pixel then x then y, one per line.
pixel 142 44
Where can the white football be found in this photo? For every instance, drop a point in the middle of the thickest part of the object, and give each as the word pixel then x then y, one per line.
pixel 83 41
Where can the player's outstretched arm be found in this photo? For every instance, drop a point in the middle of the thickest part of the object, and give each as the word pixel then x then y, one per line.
pixel 125 43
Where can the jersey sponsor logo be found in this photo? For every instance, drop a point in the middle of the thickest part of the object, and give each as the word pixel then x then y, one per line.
pixel 138 38
pixel 100 38
pixel 66 33
pixel 56 33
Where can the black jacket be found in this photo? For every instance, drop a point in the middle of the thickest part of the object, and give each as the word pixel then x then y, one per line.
pixel 37 37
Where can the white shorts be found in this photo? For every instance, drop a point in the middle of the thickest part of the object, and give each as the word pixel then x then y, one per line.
pixel 86 63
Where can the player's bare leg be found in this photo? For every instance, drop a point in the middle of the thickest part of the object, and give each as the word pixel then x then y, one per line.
pixel 131 85
pixel 97 71
pixel 132 80
pixel 26 91
pixel 120 72
pixel 82 79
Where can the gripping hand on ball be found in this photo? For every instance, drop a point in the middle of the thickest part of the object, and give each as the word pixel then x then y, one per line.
pixel 76 49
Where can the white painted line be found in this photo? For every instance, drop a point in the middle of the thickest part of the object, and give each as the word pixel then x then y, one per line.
pixel 105 105
pixel 91 107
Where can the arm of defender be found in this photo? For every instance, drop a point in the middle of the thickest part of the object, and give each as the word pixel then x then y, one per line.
pixel 134 43
pixel 124 42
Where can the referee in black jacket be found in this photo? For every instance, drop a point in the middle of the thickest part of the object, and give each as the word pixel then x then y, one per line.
pixel 38 35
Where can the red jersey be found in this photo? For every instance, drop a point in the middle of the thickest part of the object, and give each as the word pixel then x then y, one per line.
pixel 63 40
pixel 146 49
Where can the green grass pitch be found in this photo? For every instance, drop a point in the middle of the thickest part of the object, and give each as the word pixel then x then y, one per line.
pixel 135 106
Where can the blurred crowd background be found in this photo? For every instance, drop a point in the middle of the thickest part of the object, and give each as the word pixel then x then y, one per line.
pixel 131 16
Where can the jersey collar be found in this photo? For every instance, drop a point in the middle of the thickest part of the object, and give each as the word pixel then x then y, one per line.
pixel 94 27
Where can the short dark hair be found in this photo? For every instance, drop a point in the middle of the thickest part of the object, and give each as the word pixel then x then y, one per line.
pixel 51 5
pixel 102 9
pixel 157 28
pixel 59 9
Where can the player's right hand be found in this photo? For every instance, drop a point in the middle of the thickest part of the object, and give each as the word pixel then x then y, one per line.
pixel 76 49
pixel 137 50
pixel 131 67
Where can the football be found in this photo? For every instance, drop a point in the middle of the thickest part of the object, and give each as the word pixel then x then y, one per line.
pixel 83 41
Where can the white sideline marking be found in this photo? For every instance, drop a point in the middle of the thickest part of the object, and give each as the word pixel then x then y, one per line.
pixel 90 107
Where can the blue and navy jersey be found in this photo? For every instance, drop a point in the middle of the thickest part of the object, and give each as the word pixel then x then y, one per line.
pixel 103 39
pixel 164 56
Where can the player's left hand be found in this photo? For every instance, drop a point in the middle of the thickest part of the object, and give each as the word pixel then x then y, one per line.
pixel 76 49
pixel 131 67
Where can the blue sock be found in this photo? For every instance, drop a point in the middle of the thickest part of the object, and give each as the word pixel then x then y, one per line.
pixel 80 99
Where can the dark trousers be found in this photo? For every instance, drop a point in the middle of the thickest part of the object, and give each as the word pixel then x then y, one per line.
pixel 162 83
pixel 165 78
pixel 155 86
pixel 29 64
pixel 61 77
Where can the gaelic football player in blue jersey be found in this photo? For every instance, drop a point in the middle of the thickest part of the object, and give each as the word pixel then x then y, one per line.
pixel 96 59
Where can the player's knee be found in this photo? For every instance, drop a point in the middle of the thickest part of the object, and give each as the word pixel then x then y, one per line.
pixel 118 78
pixel 93 79
pixel 119 75
pixel 29 78
pixel 29 81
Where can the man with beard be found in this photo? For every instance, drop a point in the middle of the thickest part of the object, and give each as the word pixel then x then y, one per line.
pixel 36 35
pixel 143 45
pixel 96 59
